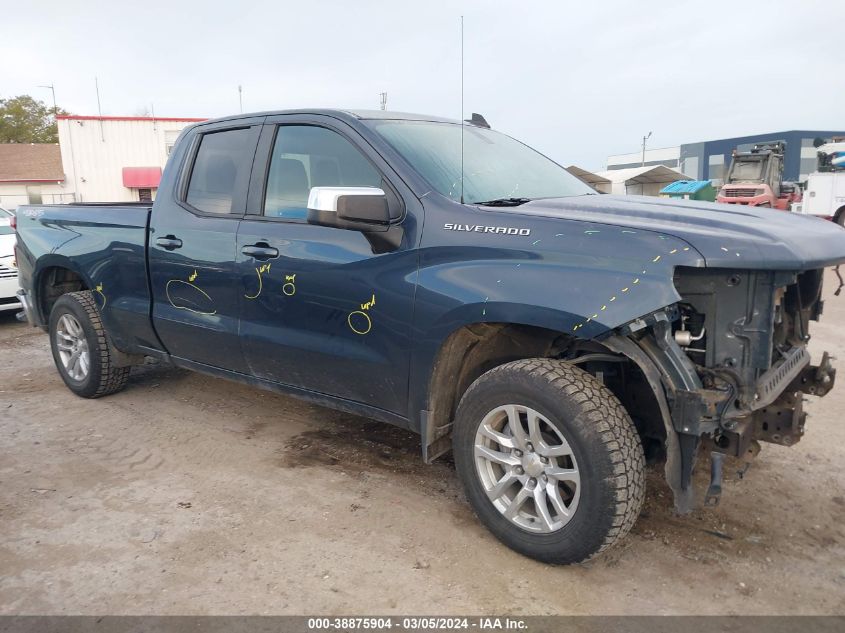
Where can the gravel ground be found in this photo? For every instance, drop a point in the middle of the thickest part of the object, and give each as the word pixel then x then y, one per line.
pixel 185 494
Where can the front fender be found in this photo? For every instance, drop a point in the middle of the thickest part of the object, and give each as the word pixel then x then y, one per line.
pixel 577 278
pixel 584 287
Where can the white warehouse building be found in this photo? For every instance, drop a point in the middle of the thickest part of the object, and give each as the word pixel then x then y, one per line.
pixel 115 158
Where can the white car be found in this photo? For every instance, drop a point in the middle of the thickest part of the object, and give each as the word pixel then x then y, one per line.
pixel 8 268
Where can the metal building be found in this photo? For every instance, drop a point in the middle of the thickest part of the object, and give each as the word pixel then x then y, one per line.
pixel 709 160
pixel 116 158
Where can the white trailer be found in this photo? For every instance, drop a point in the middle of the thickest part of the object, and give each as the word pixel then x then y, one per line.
pixel 825 193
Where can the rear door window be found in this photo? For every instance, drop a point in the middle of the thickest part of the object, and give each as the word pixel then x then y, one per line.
pixel 220 174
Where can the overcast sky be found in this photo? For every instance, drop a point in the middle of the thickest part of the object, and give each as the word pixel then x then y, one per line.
pixel 576 80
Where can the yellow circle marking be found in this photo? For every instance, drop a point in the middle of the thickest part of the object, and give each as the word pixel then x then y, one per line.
pixel 363 314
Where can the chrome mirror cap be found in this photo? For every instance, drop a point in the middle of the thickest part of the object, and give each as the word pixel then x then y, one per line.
pixel 326 198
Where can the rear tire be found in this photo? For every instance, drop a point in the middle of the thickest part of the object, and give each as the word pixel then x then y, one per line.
pixel 571 438
pixel 80 347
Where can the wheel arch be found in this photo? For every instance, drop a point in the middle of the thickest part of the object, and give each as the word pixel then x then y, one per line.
pixel 471 350
pixel 465 354
pixel 56 275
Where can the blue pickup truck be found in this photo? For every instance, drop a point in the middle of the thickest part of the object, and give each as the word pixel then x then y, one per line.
pixel 446 278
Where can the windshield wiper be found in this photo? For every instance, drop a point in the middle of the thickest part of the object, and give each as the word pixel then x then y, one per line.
pixel 504 202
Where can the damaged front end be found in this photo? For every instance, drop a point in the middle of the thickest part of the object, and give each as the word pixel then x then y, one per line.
pixel 729 364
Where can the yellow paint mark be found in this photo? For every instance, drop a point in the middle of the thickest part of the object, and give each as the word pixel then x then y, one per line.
pixel 656 259
pixel 724 249
pixel 358 325
pixel 359 321
pixel 181 307
pixel 369 304
pixel 625 289
pixel 289 288
pixel 595 316
pixel 193 275
pixel 603 308
pixel 99 291
pixel 588 320
pixel 673 251
pixel 264 268
pixel 636 281
pixel 613 298
pixel 686 248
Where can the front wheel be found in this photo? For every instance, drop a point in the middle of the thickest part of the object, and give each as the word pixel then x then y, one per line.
pixel 549 459
pixel 80 347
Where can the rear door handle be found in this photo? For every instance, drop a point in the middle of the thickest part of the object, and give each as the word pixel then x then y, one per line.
pixel 260 251
pixel 169 242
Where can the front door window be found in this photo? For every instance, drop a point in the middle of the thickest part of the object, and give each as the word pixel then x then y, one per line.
pixel 306 156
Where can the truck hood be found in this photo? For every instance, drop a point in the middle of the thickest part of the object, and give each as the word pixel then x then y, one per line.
pixel 727 236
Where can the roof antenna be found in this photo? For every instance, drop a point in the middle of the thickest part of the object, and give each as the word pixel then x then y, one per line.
pixel 99 109
pixel 462 109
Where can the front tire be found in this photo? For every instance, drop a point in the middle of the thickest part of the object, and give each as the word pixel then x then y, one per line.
pixel 549 459
pixel 80 347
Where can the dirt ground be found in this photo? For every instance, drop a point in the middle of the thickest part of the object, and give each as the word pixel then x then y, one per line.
pixel 185 494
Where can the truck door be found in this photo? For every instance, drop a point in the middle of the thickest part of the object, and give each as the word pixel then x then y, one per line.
pixel 192 244
pixel 324 309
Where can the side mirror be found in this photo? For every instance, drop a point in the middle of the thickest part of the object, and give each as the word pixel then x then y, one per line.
pixel 353 208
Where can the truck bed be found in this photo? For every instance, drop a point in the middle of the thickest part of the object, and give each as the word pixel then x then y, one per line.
pixel 104 245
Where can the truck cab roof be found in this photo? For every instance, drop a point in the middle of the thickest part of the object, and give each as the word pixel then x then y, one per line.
pixel 342 114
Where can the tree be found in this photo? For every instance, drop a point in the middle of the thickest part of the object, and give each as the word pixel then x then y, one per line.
pixel 25 120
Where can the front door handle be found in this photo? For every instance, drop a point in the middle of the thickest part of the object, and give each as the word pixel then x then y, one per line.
pixel 169 242
pixel 260 251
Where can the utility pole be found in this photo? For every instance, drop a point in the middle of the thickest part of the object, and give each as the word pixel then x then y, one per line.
pixel 383 97
pixel 645 138
pixel 52 88
pixel 241 97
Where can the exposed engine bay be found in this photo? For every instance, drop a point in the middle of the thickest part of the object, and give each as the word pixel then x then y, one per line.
pixel 745 334
pixel 729 367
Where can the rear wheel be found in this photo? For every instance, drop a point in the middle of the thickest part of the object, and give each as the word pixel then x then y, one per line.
pixel 80 347
pixel 549 459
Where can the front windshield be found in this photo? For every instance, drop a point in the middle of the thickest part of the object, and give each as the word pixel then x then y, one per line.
pixel 495 165
pixel 747 171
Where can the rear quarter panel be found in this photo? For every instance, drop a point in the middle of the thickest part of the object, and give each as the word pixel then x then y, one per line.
pixel 106 247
